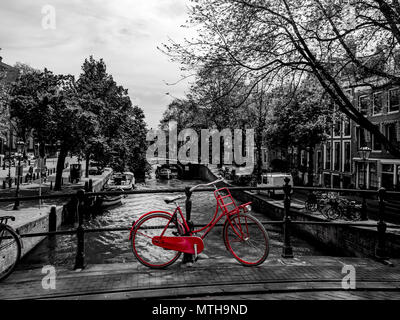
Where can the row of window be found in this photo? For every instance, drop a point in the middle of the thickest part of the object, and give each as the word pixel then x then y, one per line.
pixel 378 102
pixel 342 128
pixel 364 138
pixel 336 156
pixel 390 176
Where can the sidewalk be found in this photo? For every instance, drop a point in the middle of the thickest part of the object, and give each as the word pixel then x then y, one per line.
pixel 210 277
pixel 51 163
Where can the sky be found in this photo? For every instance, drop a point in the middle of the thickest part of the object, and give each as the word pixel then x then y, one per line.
pixel 125 33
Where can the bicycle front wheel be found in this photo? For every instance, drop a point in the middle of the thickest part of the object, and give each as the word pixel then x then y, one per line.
pixel 246 239
pixel 10 251
pixel 143 248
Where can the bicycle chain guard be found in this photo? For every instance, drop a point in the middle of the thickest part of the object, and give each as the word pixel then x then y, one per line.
pixel 190 245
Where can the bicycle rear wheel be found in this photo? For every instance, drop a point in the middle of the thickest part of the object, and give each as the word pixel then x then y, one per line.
pixel 10 251
pixel 146 252
pixel 332 213
pixel 246 239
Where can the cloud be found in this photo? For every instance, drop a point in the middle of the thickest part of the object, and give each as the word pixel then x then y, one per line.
pixel 125 33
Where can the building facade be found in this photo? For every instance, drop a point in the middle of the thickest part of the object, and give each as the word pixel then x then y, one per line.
pixel 382 108
pixel 8 138
pixel 338 163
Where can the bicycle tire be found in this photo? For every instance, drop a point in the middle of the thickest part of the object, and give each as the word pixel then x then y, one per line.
pixel 353 214
pixel 144 250
pixel 7 262
pixel 332 213
pixel 242 248
pixel 311 206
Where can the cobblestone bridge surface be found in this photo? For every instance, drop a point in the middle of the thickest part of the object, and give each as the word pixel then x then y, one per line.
pixel 224 278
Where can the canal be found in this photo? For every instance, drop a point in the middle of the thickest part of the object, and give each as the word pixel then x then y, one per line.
pixel 114 247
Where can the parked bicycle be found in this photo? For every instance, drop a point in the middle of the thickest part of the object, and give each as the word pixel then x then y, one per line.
pixel 10 247
pixel 313 202
pixel 342 208
pixel 159 237
pixel 333 207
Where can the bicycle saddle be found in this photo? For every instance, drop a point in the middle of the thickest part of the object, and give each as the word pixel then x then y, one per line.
pixel 172 200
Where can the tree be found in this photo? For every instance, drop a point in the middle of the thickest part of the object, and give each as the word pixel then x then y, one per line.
pixel 47 105
pixel 4 112
pixel 120 133
pixel 301 121
pixel 290 39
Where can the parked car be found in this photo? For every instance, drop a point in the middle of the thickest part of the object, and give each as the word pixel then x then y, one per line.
pixel 274 179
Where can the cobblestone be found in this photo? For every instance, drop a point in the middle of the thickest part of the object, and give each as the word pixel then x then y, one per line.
pixel 317 278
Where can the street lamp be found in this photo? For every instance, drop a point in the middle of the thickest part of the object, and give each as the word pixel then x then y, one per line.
pixel 20 152
pixel 365 152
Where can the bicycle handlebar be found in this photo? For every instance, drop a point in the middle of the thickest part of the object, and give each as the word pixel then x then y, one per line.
pixel 207 184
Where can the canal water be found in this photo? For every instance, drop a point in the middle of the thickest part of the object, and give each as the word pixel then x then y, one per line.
pixel 114 247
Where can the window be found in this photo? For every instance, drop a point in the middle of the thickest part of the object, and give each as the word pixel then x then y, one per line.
pixel 337 128
pixel 377 103
pixel 362 174
pixel 363 104
pixel 337 163
pixel 319 161
pixel 388 176
pixel 394 100
pixel 390 132
pixel 373 176
pixel 361 138
pixel 328 154
pixel 347 157
pixel 327 180
pixel 376 145
pixel 398 178
pixel 347 128
pixel 303 158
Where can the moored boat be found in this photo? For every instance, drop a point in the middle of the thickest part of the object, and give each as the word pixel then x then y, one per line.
pixel 104 202
pixel 166 173
pixel 121 181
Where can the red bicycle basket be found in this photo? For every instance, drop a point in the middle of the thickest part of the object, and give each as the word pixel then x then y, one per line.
pixel 226 202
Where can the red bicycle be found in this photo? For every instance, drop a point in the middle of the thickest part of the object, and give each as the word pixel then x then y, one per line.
pixel 159 237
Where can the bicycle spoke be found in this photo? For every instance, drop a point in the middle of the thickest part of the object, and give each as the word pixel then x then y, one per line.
pixel 148 254
pixel 252 248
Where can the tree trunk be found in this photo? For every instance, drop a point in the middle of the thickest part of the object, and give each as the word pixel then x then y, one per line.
pixel 259 154
pixel 60 168
pixel 311 168
pixel 87 166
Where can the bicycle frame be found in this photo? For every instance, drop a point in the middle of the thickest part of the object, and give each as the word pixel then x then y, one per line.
pixel 220 206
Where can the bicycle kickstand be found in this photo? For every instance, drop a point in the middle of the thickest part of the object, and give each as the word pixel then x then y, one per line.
pixel 195 253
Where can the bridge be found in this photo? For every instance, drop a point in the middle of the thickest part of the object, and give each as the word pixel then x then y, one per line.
pixel 286 277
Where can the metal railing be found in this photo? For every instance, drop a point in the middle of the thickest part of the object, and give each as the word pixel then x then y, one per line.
pixel 286 223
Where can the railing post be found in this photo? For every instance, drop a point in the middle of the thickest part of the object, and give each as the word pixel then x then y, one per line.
pixel 53 219
pixel 80 254
pixel 188 205
pixel 380 252
pixel 364 213
pixel 287 251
